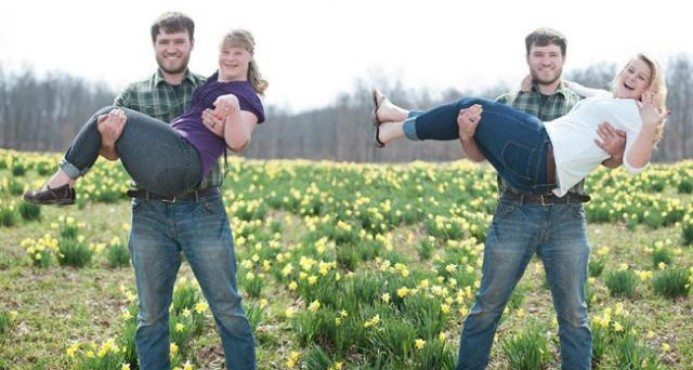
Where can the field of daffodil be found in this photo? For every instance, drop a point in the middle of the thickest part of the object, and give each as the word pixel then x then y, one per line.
pixel 344 266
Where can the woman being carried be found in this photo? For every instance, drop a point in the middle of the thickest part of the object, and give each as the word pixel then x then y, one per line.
pixel 172 160
pixel 540 157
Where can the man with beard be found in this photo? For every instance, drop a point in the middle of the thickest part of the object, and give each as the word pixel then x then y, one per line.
pixel 194 223
pixel 524 224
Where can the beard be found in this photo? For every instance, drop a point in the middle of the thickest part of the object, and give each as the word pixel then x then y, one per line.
pixel 546 80
pixel 173 68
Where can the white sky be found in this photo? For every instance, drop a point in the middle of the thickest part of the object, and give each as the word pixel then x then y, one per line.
pixel 311 50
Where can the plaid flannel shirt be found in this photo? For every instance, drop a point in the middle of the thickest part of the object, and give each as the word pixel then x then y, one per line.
pixel 546 108
pixel 158 99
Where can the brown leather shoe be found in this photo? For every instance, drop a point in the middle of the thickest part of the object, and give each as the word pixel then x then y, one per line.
pixel 62 195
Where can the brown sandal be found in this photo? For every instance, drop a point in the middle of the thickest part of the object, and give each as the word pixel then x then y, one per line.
pixel 378 99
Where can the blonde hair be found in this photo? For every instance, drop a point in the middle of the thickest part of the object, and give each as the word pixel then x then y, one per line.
pixel 244 39
pixel 657 84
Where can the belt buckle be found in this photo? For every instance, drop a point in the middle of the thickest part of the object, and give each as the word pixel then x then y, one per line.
pixel 544 204
pixel 167 200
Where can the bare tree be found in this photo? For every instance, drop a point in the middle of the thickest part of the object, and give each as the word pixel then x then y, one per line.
pixel 46 114
pixel 678 140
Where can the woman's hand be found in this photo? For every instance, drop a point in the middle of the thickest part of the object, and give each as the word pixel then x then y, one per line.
pixel 215 119
pixel 650 114
pixel 225 105
pixel 652 117
pixel 214 124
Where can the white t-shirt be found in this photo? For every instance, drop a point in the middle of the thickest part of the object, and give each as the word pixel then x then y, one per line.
pixel 573 135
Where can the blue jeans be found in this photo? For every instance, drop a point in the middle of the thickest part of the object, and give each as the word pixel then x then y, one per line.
pixel 514 142
pixel 557 233
pixel 153 154
pixel 160 231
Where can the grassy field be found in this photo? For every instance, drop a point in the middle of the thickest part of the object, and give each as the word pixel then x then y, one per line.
pixel 344 266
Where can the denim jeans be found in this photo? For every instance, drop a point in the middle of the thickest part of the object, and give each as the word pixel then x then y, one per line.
pixel 160 231
pixel 557 233
pixel 514 142
pixel 153 154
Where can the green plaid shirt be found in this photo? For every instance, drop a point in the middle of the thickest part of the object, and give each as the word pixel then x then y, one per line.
pixel 158 99
pixel 547 108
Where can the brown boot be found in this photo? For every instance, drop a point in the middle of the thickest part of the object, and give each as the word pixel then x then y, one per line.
pixel 62 195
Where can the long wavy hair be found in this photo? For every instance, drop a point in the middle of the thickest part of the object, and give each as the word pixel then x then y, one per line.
pixel 244 39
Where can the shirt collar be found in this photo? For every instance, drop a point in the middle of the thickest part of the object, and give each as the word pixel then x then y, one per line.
pixel 560 90
pixel 159 77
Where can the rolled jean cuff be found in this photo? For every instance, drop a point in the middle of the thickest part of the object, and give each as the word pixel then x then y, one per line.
pixel 415 113
pixel 70 169
pixel 409 129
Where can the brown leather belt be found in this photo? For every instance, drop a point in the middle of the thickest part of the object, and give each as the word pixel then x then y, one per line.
pixel 544 199
pixel 192 195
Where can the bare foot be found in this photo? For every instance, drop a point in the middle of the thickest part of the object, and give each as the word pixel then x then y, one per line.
pixel 385 110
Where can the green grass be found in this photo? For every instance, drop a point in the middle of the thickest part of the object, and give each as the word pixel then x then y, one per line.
pixel 50 308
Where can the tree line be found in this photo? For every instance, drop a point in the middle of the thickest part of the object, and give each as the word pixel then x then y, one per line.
pixel 43 114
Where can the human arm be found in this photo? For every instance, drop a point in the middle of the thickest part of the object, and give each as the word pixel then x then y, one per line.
pixel 639 153
pixel 613 142
pixel 467 121
pixel 229 121
pixel 238 124
pixel 584 91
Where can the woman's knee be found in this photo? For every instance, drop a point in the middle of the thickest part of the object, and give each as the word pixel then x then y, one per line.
pixel 95 117
pixel 467 102
pixel 105 110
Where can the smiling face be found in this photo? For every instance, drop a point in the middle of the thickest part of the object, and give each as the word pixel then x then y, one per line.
pixel 633 80
pixel 545 63
pixel 234 62
pixel 173 51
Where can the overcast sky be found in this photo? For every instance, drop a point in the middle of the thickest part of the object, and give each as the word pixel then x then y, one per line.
pixel 312 50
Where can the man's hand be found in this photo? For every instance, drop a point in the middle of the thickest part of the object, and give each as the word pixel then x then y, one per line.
pixel 110 126
pixel 467 120
pixel 613 142
pixel 526 84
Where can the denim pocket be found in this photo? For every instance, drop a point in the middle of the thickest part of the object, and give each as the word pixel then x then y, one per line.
pixel 505 210
pixel 577 211
pixel 209 207
pixel 518 159
pixel 138 204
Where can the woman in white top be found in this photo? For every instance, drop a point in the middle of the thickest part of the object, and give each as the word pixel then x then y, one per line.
pixel 539 157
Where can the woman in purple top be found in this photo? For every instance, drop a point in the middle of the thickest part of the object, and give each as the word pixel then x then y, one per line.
pixel 171 160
